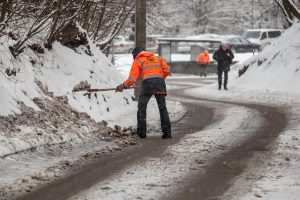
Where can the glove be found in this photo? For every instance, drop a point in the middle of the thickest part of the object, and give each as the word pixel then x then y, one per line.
pixel 120 88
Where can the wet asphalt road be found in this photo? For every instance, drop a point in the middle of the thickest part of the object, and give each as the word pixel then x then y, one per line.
pixel 220 174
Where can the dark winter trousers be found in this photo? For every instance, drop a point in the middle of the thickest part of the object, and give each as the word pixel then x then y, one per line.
pixel 203 71
pixel 142 113
pixel 220 74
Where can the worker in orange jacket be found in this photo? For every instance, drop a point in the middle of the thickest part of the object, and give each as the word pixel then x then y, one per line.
pixel 204 60
pixel 153 71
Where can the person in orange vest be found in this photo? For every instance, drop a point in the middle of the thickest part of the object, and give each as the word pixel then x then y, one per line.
pixel 204 60
pixel 153 71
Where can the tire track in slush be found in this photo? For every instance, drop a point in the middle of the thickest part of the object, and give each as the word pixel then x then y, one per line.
pixel 107 165
pixel 158 176
pixel 219 175
pixel 203 179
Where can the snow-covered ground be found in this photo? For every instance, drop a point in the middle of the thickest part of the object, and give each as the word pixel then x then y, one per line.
pixel 38 105
pixel 148 180
pixel 40 110
pixel 44 124
pixel 50 77
pixel 159 177
pixel 59 70
pixel 24 171
pixel 273 78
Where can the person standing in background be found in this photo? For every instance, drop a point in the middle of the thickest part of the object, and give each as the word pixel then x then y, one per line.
pixel 204 60
pixel 224 57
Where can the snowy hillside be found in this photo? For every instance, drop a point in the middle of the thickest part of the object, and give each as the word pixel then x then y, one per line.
pixel 277 68
pixel 40 116
pixel 37 103
pixel 59 70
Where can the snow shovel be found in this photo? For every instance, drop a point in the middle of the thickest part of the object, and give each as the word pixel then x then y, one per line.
pixel 102 89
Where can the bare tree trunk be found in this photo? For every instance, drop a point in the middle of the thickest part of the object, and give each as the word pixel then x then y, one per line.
pixel 114 24
pixel 43 20
pixel 86 15
pixel 290 10
pixel 101 17
pixel 5 6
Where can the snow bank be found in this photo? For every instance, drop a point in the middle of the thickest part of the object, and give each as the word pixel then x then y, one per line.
pixel 37 104
pixel 59 70
pixel 39 112
pixel 38 107
pixel 277 68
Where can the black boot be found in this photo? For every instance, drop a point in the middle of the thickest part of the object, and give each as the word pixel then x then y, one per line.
pixel 166 136
pixel 220 72
pixel 142 136
pixel 225 80
pixel 225 87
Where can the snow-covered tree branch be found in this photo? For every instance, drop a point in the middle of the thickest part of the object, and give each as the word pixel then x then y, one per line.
pixel 290 10
pixel 42 21
pixel 104 20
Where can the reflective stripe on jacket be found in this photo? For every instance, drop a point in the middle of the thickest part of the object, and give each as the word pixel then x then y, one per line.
pixel 148 66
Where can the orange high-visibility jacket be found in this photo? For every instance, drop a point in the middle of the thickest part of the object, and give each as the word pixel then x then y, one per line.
pixel 203 58
pixel 147 65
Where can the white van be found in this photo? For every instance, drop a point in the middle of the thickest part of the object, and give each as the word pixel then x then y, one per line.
pixel 262 37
